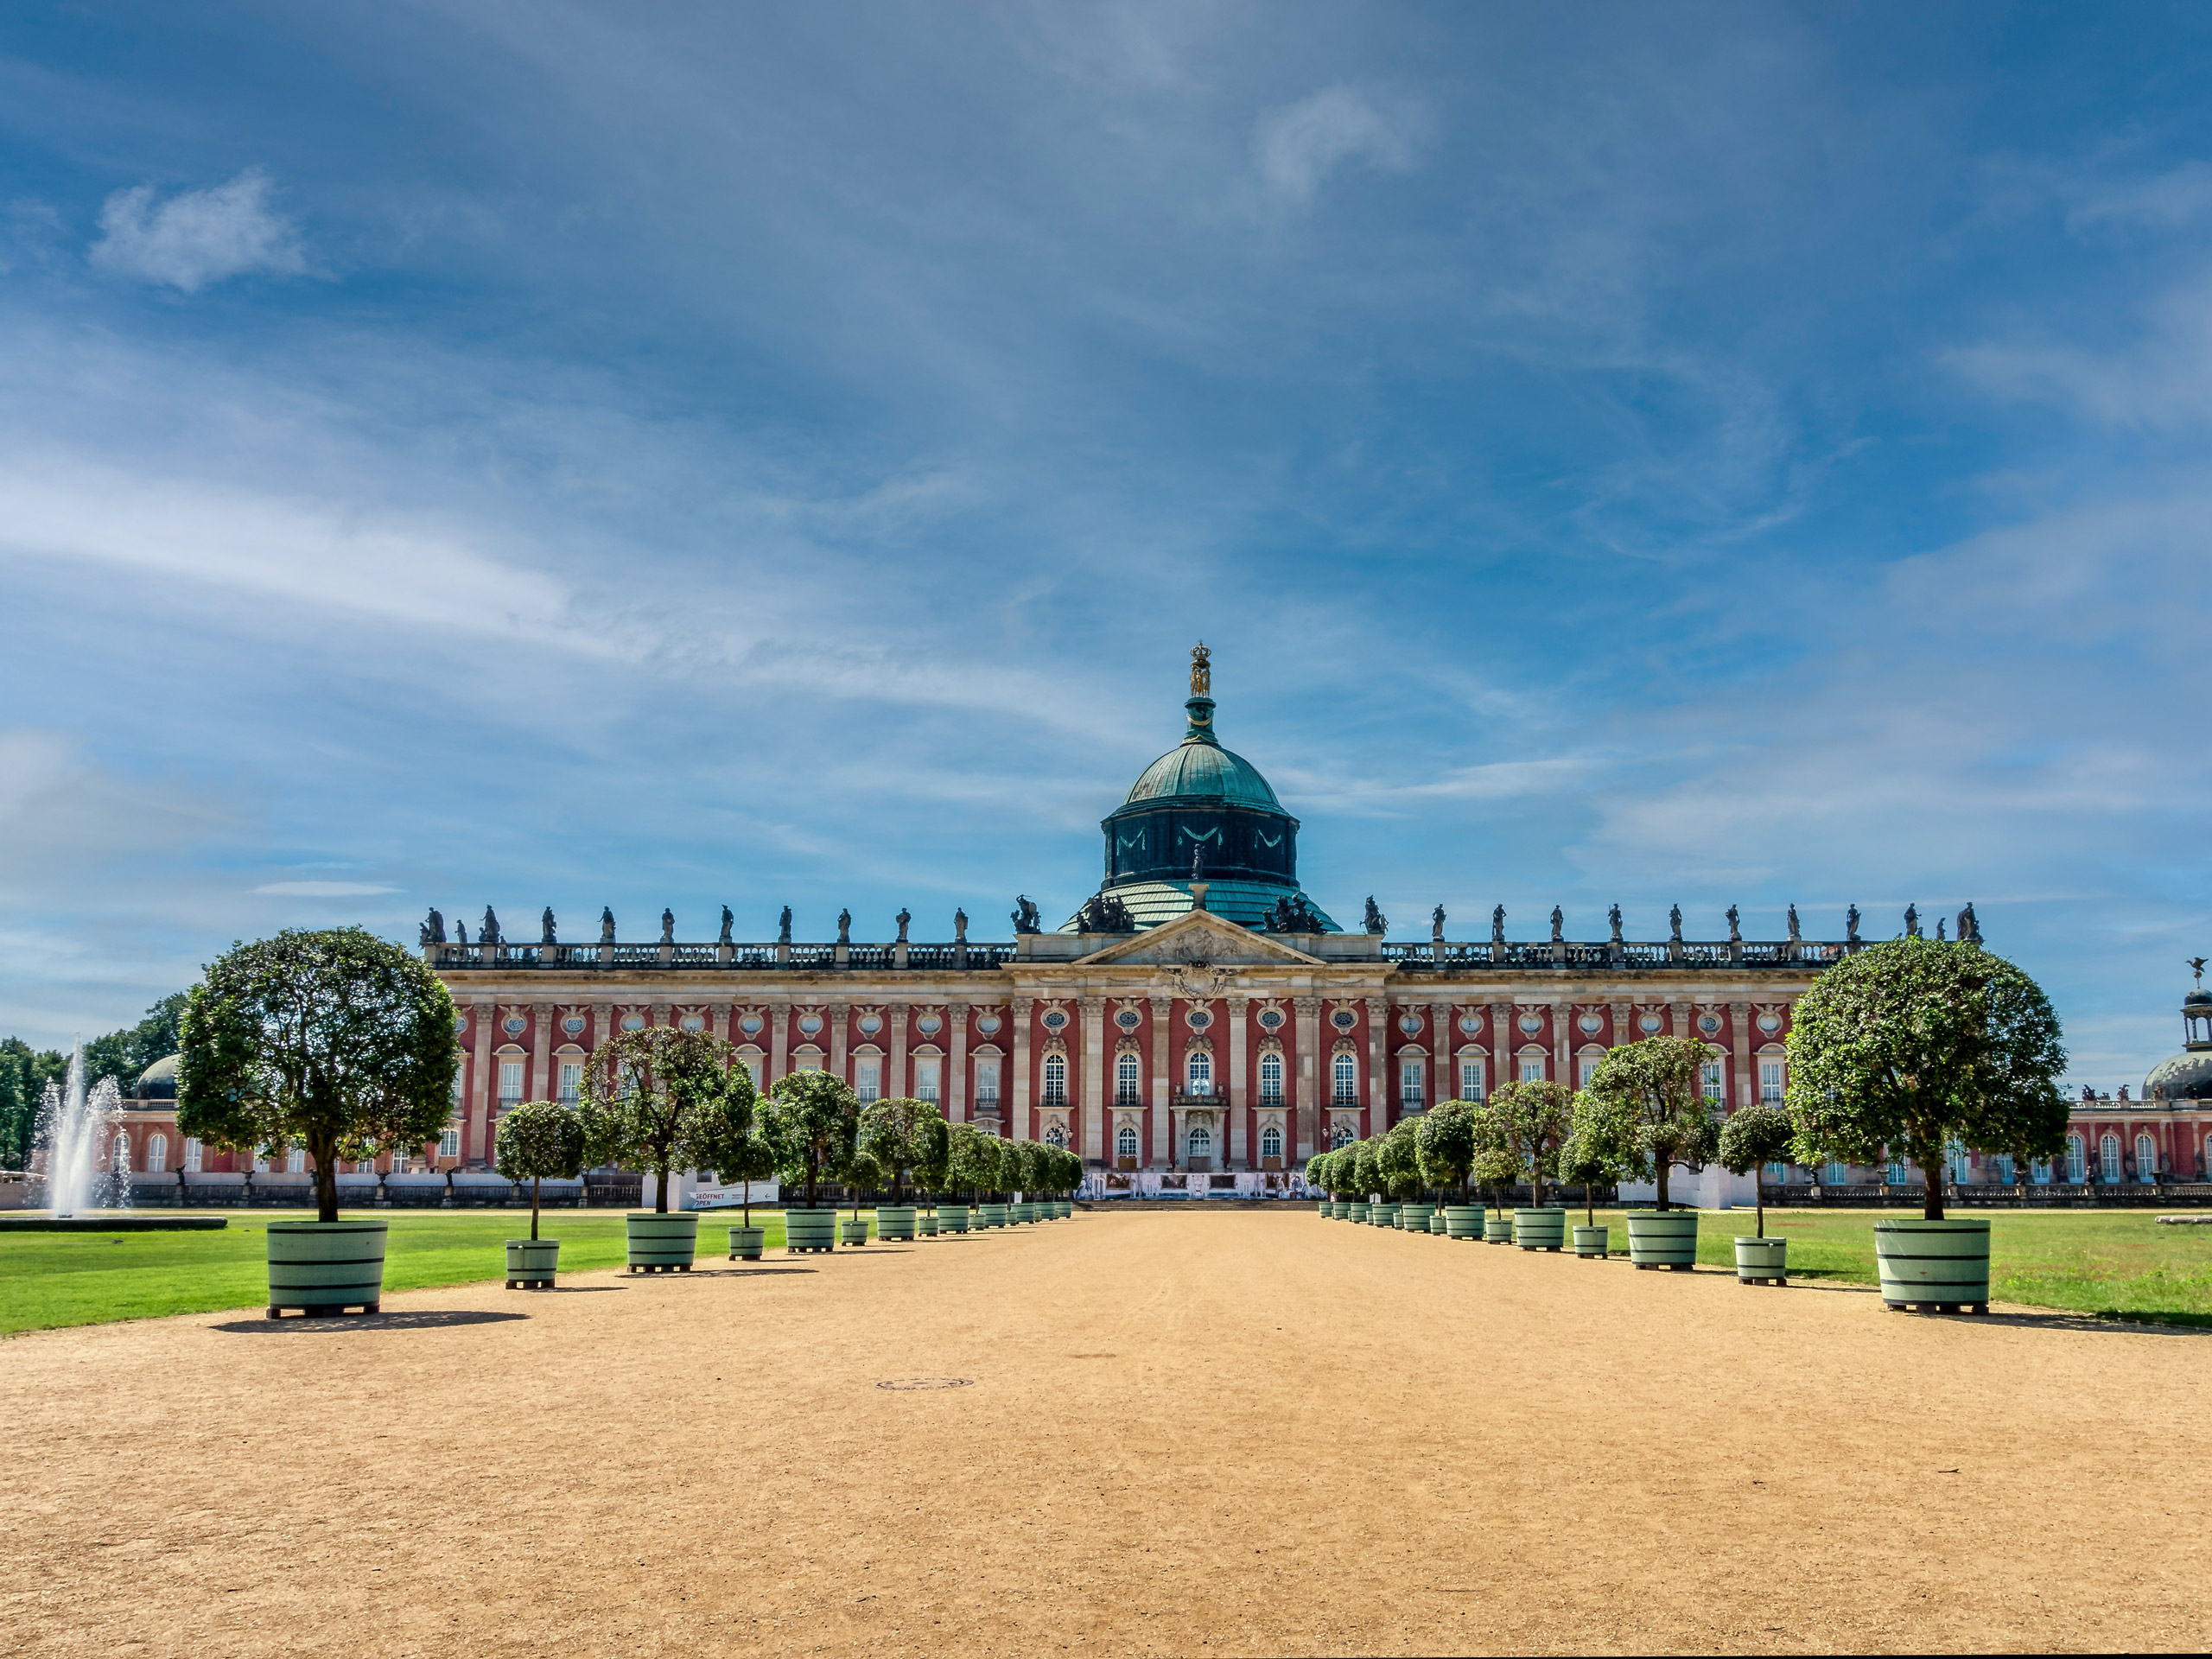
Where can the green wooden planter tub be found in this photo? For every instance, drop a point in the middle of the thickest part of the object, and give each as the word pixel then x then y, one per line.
pixel 1462 1220
pixel 1340 1209
pixel 1589 1243
pixel 990 1214
pixel 745 1243
pixel 662 1243
pixel 853 1229
pixel 1414 1218
pixel 1762 1261
pixel 895 1221
pixel 1497 1228
pixel 532 1262
pixel 1436 1221
pixel 1939 1267
pixel 1382 1214
pixel 1356 1214
pixel 926 1226
pixel 952 1218
pixel 1544 1229
pixel 806 1231
pixel 1023 1214
pixel 323 1267
pixel 1662 1239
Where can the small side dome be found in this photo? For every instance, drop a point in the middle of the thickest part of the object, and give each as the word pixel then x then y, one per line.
pixel 157 1081
pixel 2185 1077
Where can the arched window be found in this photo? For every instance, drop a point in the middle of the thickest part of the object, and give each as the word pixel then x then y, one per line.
pixel 1056 1079
pixel 987 1083
pixel 868 1078
pixel 1346 1071
pixel 2108 1155
pixel 2146 1157
pixel 1341 1135
pixel 1271 1077
pixel 1125 1143
pixel 2000 1167
pixel 1413 1079
pixel 1586 1065
pixel 1201 1143
pixel 1954 1161
pixel 1056 1136
pixel 925 1080
pixel 510 1076
pixel 1470 1076
pixel 1201 1072
pixel 191 1154
pixel 1126 1070
pixel 2039 1171
pixel 569 1078
pixel 157 1153
pixel 1532 1064
pixel 1271 1142
pixel 1771 1075
pixel 122 1151
pixel 2076 1162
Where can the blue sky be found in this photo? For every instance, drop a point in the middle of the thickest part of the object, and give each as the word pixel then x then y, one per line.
pixel 562 454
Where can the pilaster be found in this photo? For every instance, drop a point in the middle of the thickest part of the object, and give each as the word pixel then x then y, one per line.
pixel 1309 1078
pixel 1162 1008
pixel 1239 1041
pixel 1091 1102
pixel 1015 1126
pixel 956 1086
pixel 1378 1066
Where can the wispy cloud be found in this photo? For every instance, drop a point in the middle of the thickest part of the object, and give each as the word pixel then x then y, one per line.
pixel 198 237
pixel 1299 145
pixel 322 889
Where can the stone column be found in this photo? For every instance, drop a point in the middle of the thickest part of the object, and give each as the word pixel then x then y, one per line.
pixel 1162 1130
pixel 839 1018
pixel 895 1084
pixel 1308 1077
pixel 1443 1085
pixel 1505 1032
pixel 1239 1152
pixel 484 1086
pixel 956 1086
pixel 1378 1066
pixel 540 1040
pixel 1739 1031
pixel 779 1040
pixel 1014 1125
pixel 1563 1042
pixel 1091 1102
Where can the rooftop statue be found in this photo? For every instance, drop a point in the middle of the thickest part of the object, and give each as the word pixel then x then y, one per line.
pixel 1613 915
pixel 1376 921
pixel 1912 921
pixel 1674 921
pixel 1104 913
pixel 461 931
pixel 434 930
pixel 844 927
pixel 1969 925
pixel 1199 863
pixel 546 923
pixel 1939 927
pixel 1735 926
pixel 784 926
pixel 605 926
pixel 1851 923
pixel 489 933
pixel 727 920
pixel 1436 924
pixel 2195 962
pixel 904 917
pixel 1497 925
pixel 1025 915
pixel 1793 934
pixel 1559 921
pixel 668 927
pixel 1201 670
pixel 960 925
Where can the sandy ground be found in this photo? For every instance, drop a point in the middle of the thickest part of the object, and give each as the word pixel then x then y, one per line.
pixel 1182 1433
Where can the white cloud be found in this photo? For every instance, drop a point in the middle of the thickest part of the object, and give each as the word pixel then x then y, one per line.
pixel 322 889
pixel 197 237
pixel 1297 147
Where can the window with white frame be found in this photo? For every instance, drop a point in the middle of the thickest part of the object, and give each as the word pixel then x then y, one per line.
pixel 449 1144
pixel 1471 1078
pixel 1200 1073
pixel 1126 1069
pixel 572 1081
pixel 1585 1066
pixel 1834 1174
pixel 2039 1171
pixel 1770 1078
pixel 2077 1162
pixel 510 1081
pixel 925 1080
pixel 1271 1142
pixel 1200 1141
pixel 1347 1070
pixel 1531 1068
pixel 296 1161
pixel 1125 1143
pixel 2146 1157
pixel 2000 1167
pixel 1056 1079
pixel 1954 1159
pixel 868 1079
pixel 1710 1075
pixel 261 1162
pixel 1897 1172
pixel 1271 1077
pixel 122 1151
pixel 157 1153
pixel 2108 1155
pixel 192 1155
pixel 1412 1077
pixel 987 1082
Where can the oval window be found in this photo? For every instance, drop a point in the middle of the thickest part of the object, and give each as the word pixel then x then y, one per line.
pixel 1649 1022
pixel 1470 1024
pixel 1593 1023
pixel 1770 1022
pixel 461 1022
pixel 1129 1018
pixel 1270 1019
pixel 1409 1023
pixel 573 1024
pixel 516 1023
pixel 750 1025
pixel 1344 1019
pixel 810 1023
pixel 1709 1023
pixel 633 1022
pixel 1532 1023
pixel 1199 1020
pixel 1055 1020
pixel 987 1023
pixel 871 1023
pixel 694 1022
pixel 928 1025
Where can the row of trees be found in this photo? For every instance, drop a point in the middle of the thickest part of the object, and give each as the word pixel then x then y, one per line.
pixel 1903 1051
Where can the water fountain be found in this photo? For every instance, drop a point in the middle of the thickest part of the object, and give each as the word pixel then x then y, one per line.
pixel 77 1126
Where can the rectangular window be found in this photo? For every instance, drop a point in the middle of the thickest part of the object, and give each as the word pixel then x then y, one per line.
pixel 1470 1079
pixel 868 1079
pixel 1712 1082
pixel 1409 1084
pixel 1770 1082
pixel 449 1144
pixel 192 1155
pixel 1126 1081
pixel 572 1081
pixel 1586 1067
pixel 1532 1068
pixel 926 1086
pixel 1271 1078
pixel 987 1083
pixel 510 1080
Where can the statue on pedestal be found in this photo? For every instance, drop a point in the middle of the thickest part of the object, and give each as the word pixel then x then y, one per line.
pixel 1498 924
pixel 904 917
pixel 784 926
pixel 1376 921
pixel 668 927
pixel 1794 935
pixel 489 933
pixel 1025 915
pixel 1969 925
pixel 1559 921
pixel 1912 921
pixel 960 926
pixel 606 925
pixel 1613 915
pixel 844 927
pixel 1675 923
pixel 724 937
pixel 1735 926
pixel 545 925
pixel 1851 923
pixel 434 928
pixel 461 932
pixel 1436 924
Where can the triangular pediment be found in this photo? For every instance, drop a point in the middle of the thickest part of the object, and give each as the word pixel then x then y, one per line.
pixel 1196 937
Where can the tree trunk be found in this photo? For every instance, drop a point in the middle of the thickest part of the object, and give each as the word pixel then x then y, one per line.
pixel 1931 1207
pixel 325 1154
pixel 660 1192
pixel 1589 1206
pixel 1665 1163
pixel 1759 1199
pixel 536 1182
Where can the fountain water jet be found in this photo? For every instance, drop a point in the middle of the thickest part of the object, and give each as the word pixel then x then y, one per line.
pixel 76 1127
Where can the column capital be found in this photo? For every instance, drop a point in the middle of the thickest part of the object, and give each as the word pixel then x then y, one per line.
pixel 1091 1006
pixel 1309 1007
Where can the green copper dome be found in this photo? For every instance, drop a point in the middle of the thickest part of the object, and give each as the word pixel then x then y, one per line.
pixel 1199 768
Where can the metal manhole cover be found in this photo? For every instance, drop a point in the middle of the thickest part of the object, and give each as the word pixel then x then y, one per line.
pixel 906 1384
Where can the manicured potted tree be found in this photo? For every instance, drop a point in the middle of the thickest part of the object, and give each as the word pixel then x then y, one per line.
pixel 749 1159
pixel 1533 1117
pixel 1589 1156
pixel 1341 1160
pixel 1753 1137
pixel 928 1156
pixel 1069 1182
pixel 335 1041
pixel 1448 1147
pixel 1397 1160
pixel 1908 1047
pixel 890 1132
pixel 1494 1167
pixel 538 1139
pixel 971 1166
pixel 1317 1179
pixel 813 1119
pixel 987 1160
pixel 860 1173
pixel 1367 1182
pixel 1018 1179
pixel 662 1100
pixel 1655 1098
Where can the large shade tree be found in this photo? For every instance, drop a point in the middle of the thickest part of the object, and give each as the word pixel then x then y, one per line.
pixel 661 1099
pixel 1652 1093
pixel 333 1041
pixel 1914 1045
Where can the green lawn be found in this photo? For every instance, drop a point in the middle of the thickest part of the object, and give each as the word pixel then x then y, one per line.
pixel 57 1279
pixel 2086 1262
